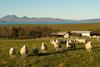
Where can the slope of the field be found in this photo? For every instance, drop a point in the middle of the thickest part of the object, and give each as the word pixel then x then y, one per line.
pixel 61 27
pixel 69 58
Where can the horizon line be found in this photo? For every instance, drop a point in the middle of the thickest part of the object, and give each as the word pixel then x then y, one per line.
pixel 47 17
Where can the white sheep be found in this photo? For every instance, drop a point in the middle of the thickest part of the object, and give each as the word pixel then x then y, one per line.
pixel 66 35
pixel 60 41
pixel 43 48
pixel 81 40
pixel 56 44
pixel 88 46
pixel 98 38
pixel 12 52
pixel 94 36
pixel 24 51
pixel 70 45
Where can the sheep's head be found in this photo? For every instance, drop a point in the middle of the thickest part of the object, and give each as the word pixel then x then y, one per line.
pixel 11 48
pixel 24 46
pixel 43 44
pixel 34 47
pixel 90 42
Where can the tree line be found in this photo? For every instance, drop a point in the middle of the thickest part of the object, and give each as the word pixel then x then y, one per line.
pixel 25 32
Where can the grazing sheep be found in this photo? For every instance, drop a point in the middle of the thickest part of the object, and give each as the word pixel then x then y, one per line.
pixel 43 48
pixel 88 46
pixel 12 52
pixel 98 38
pixel 24 51
pixel 60 41
pixel 57 41
pixel 70 45
pixel 66 35
pixel 94 36
pixel 81 40
pixel 35 51
pixel 56 45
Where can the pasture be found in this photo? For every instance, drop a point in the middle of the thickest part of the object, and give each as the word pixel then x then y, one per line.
pixel 60 27
pixel 68 58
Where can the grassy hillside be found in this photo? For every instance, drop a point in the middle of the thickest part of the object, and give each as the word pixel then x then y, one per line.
pixel 69 58
pixel 62 27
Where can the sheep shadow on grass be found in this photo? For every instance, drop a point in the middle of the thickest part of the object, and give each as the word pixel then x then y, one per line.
pixel 51 53
pixel 46 54
pixel 96 48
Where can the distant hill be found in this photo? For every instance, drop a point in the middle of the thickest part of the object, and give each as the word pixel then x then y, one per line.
pixel 26 19
pixel 92 20
pixel 10 16
pixel 13 19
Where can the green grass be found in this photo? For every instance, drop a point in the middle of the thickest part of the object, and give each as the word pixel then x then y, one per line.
pixel 70 58
pixel 60 27
pixel 76 58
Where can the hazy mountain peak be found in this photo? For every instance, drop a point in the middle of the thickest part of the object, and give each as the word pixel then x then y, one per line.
pixel 10 16
pixel 12 19
pixel 25 17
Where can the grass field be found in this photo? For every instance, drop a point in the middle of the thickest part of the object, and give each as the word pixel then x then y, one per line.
pixel 61 27
pixel 69 58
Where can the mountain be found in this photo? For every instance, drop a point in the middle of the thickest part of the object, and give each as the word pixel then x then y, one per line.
pixel 26 19
pixel 13 19
pixel 92 20
pixel 10 16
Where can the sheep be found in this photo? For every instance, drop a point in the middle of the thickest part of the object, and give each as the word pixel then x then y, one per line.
pixel 66 35
pixel 88 46
pixel 43 48
pixel 12 52
pixel 60 41
pixel 24 51
pixel 98 38
pixel 70 44
pixel 94 36
pixel 56 44
pixel 81 40
pixel 57 41
pixel 35 51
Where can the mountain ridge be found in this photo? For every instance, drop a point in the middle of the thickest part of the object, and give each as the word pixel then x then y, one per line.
pixel 21 20
pixel 27 19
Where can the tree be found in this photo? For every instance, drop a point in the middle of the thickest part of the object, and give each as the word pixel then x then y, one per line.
pixel 14 32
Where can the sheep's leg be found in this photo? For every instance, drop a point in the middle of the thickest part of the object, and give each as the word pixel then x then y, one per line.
pixel 25 56
pixel 9 56
pixel 41 51
pixel 89 50
pixel 45 51
pixel 12 56
pixel 22 56
pixel 56 49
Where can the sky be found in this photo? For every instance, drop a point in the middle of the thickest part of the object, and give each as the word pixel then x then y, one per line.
pixel 65 9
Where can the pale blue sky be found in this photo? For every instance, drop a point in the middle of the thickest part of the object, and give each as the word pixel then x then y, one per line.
pixel 67 9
